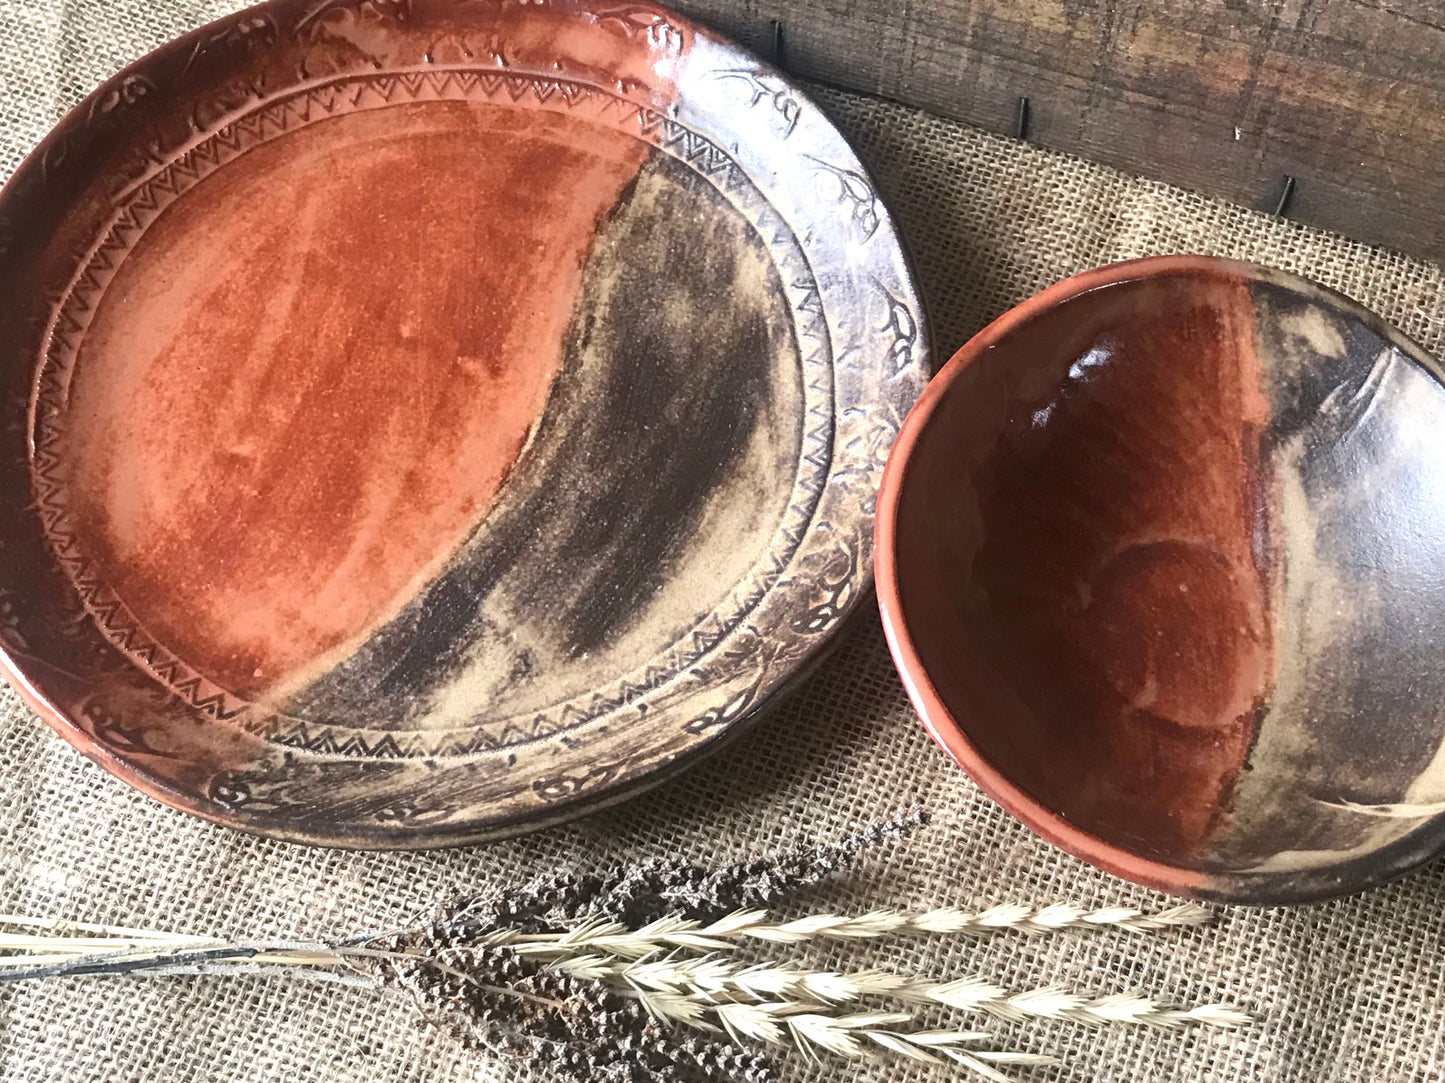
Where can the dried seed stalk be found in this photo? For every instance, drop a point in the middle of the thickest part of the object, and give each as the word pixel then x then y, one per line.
pixel 710 979
pixel 567 970
pixel 678 931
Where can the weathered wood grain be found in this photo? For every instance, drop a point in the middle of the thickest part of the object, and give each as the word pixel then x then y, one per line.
pixel 1347 96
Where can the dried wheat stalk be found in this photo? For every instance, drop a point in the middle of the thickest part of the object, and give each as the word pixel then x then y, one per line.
pixel 678 931
pixel 594 974
pixel 710 978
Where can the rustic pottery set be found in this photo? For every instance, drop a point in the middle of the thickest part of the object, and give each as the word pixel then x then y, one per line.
pixel 427 422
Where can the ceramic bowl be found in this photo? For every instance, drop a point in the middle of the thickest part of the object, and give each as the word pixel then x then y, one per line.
pixel 1161 560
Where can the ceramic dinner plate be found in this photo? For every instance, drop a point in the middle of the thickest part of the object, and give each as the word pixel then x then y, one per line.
pixel 428 420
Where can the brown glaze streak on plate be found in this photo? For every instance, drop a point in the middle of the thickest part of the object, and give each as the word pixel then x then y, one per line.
pixel 1160 561
pixel 442 418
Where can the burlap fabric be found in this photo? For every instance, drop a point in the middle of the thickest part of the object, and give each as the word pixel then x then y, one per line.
pixel 1352 990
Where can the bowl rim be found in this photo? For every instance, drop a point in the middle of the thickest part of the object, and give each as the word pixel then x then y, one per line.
pixel 1347 877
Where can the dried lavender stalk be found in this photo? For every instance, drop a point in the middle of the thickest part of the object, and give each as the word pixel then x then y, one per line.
pixel 502 1002
pixel 667 886
pixel 503 972
pixel 638 894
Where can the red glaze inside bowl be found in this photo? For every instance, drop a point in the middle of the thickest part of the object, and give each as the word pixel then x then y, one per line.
pixel 1105 536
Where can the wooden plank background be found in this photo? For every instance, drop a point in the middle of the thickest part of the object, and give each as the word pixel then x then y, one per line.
pixel 1222 96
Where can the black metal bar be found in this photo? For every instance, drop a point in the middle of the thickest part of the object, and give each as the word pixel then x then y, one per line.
pixel 1021 120
pixel 1286 193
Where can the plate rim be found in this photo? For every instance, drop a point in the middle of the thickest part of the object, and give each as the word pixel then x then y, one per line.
pixel 909 378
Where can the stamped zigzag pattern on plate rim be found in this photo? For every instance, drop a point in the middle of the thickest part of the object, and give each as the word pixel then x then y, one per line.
pixel 147 198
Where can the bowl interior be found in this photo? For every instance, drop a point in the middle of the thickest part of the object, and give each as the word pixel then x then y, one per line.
pixel 1165 576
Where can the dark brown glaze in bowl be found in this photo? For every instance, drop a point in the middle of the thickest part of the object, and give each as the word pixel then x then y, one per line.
pixel 426 420
pixel 1161 560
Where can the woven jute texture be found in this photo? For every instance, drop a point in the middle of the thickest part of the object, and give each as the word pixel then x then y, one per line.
pixel 1351 990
